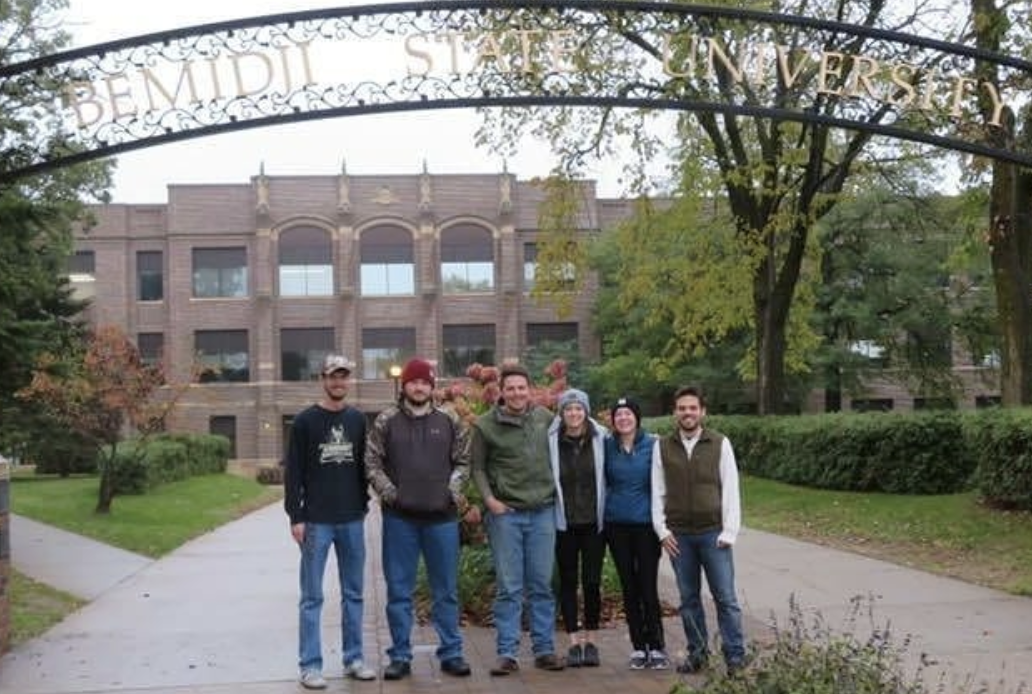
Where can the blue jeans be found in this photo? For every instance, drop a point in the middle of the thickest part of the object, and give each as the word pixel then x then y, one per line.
pixel 348 541
pixel 523 547
pixel 403 543
pixel 697 554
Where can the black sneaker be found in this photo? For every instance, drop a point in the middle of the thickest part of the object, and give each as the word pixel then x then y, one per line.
pixel 456 667
pixel 397 669
pixel 591 658
pixel 575 656
pixel 735 667
pixel 549 661
pixel 692 664
pixel 504 666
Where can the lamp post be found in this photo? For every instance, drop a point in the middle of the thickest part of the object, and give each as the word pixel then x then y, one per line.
pixel 395 373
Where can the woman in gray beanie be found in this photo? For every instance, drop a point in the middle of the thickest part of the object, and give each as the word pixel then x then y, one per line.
pixel 575 443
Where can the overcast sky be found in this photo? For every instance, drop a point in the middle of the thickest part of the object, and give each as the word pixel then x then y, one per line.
pixel 379 144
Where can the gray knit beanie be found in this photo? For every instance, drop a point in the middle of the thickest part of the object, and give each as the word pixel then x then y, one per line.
pixel 573 396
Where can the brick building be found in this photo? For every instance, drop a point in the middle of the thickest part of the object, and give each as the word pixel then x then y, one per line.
pixel 257 281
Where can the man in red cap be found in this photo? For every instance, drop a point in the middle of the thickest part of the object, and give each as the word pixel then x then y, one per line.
pixel 417 460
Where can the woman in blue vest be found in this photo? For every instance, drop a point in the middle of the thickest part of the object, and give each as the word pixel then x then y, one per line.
pixel 628 529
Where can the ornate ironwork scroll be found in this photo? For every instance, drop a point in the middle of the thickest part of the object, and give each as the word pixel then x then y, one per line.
pixel 246 73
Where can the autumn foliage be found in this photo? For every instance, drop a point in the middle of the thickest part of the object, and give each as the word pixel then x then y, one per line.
pixel 475 394
pixel 104 394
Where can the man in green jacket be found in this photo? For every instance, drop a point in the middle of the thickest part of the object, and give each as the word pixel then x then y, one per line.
pixel 513 472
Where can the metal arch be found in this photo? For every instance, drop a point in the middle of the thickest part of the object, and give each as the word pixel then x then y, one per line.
pixel 365 97
pixel 891 131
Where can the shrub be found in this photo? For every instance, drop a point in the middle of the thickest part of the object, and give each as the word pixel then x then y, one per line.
pixel 1002 442
pixel 812 658
pixel 912 453
pixel 62 453
pixel 271 475
pixel 167 458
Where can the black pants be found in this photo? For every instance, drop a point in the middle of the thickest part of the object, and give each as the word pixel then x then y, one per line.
pixel 580 547
pixel 636 552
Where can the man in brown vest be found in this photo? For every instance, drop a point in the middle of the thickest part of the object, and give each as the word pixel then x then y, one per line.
pixel 696 513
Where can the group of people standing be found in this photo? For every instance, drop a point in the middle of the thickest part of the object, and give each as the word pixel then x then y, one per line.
pixel 557 489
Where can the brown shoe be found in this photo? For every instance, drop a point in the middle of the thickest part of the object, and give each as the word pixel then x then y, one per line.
pixel 503 666
pixel 549 661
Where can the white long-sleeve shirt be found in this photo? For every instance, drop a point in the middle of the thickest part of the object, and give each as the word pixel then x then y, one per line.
pixel 730 503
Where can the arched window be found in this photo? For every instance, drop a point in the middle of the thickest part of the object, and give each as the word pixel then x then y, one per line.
pixel 305 262
pixel 467 259
pixel 387 265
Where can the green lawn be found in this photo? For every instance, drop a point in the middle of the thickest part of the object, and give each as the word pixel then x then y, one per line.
pixel 152 524
pixel 35 607
pixel 950 534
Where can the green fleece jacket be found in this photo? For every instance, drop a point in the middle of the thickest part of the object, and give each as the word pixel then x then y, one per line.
pixel 510 458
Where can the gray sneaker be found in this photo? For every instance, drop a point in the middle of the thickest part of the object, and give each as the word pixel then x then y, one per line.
pixel 639 660
pixel 658 660
pixel 357 670
pixel 312 679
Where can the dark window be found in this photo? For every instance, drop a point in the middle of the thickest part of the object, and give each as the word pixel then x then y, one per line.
pixel 384 347
pixel 302 351
pixel 219 272
pixel 223 355
pixel 467 259
pixel 224 425
pixel 82 263
pixel 305 262
pixel 150 276
pixel 465 345
pixel 151 346
pixel 387 262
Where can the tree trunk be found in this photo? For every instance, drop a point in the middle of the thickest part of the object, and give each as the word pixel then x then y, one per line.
pixel 772 296
pixel 1009 249
pixel 106 489
pixel 770 363
pixel 1010 226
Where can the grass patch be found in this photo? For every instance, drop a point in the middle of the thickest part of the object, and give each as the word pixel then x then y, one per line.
pixel 35 607
pixel 151 524
pixel 951 534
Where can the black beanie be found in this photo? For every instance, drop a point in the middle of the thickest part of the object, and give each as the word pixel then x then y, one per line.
pixel 630 404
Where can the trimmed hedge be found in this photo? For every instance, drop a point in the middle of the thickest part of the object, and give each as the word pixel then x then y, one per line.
pixel 166 458
pixel 1003 441
pixel 939 452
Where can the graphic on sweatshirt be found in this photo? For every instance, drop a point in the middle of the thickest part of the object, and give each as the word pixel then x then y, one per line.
pixel 337 450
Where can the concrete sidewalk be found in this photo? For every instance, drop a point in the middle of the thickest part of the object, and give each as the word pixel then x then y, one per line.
pixel 73 563
pixel 219 615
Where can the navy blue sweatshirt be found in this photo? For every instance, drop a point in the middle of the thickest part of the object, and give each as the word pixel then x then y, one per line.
pixel 325 474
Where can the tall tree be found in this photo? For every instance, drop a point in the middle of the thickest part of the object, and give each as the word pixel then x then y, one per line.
pixel 896 295
pixel 37 214
pixel 779 178
pixel 1003 25
pixel 103 394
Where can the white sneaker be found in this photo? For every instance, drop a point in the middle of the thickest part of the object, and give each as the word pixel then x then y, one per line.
pixel 639 660
pixel 357 670
pixel 658 660
pixel 312 679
